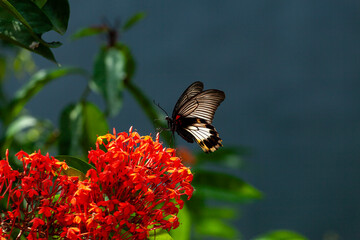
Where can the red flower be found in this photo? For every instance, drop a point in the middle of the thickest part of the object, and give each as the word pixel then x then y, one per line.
pixel 36 223
pixel 36 196
pixel 135 188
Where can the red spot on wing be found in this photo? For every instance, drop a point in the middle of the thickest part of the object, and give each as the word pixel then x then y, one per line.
pixel 177 120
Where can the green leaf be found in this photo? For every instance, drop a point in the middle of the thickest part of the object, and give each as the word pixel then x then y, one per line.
pixel 23 63
pixel 201 214
pixel 58 11
pixel 130 62
pixel 17 126
pixel 71 130
pixel 280 235
pixel 95 123
pixel 159 235
pixel 22 23
pixel 72 172
pixel 24 40
pixel 133 20
pixel 109 75
pixel 215 228
pixel 75 163
pixel 15 32
pixel 219 213
pixel 40 3
pixel 29 14
pixel 230 157
pixel 35 84
pixel 183 232
pixel 80 124
pixel 27 133
pixel 222 186
pixel 89 31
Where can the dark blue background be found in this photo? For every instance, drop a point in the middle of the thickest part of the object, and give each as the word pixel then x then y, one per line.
pixel 290 71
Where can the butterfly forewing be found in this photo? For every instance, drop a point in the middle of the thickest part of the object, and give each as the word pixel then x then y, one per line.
pixel 191 91
pixel 202 105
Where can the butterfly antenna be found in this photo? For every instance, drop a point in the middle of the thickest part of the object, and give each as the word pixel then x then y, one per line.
pixel 160 107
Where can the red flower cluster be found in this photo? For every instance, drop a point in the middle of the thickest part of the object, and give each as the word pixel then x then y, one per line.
pixel 135 188
pixel 38 196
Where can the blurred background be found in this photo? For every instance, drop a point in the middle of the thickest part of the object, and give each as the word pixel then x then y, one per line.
pixel 290 71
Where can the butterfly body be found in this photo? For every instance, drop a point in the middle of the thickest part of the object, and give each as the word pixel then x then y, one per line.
pixel 193 114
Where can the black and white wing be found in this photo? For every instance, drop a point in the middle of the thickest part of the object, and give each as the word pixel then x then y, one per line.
pixel 202 105
pixel 190 92
pixel 202 132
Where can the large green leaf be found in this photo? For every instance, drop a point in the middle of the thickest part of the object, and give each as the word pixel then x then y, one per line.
pixel 95 123
pixel 183 232
pixel 58 11
pixel 71 130
pixel 80 124
pixel 280 235
pixel 222 186
pixel 109 75
pixel 130 62
pixel 35 84
pixel 29 14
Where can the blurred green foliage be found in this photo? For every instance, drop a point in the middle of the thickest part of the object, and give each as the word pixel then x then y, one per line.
pixel 280 235
pixel 22 23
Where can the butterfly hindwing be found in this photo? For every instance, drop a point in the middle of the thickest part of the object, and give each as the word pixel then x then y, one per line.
pixel 203 133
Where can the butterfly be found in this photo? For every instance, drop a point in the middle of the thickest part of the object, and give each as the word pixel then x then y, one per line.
pixel 193 114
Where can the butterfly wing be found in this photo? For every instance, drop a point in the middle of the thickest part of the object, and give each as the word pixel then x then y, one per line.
pixel 190 92
pixel 202 105
pixel 202 132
